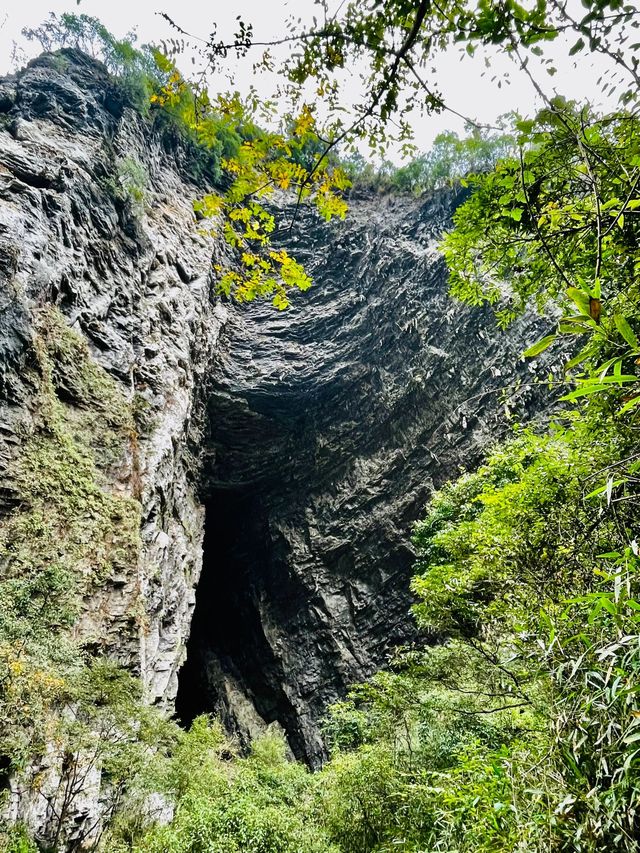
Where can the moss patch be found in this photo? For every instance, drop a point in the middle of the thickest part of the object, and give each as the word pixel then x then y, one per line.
pixel 70 532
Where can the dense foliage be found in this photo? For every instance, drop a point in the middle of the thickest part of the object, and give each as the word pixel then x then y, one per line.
pixel 449 160
pixel 559 220
pixel 514 725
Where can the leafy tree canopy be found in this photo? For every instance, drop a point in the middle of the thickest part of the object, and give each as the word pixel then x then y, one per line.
pixel 394 45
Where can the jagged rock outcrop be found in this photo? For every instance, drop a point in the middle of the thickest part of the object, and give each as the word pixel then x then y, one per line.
pixel 137 288
pixel 309 440
pixel 328 428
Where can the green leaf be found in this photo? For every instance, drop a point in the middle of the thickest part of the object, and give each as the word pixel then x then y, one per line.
pixel 580 299
pixel 630 404
pixel 625 330
pixel 584 391
pixel 612 380
pixel 539 347
pixel 572 329
pixel 601 490
pixel 577 359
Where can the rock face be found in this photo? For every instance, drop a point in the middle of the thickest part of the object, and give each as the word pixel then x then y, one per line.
pixel 136 286
pixel 285 454
pixel 328 427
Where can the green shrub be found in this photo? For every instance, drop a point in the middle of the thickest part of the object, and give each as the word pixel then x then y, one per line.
pixel 129 183
pixel 258 803
pixel 15 839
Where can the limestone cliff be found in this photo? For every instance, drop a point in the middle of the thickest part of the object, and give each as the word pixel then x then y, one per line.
pixel 293 450
pixel 135 287
pixel 327 428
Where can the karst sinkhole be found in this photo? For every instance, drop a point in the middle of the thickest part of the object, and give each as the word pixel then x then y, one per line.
pixel 326 432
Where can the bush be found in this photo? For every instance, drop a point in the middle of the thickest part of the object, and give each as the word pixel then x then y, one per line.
pixel 259 803
pixel 449 160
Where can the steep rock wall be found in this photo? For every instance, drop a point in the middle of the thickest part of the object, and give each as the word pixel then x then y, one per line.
pixel 309 439
pixel 133 282
pixel 328 428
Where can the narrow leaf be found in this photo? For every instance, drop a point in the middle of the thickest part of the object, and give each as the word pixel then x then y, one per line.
pixel 630 404
pixel 577 47
pixel 625 330
pixel 539 347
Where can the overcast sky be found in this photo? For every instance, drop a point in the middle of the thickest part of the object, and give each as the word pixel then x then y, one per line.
pixel 461 79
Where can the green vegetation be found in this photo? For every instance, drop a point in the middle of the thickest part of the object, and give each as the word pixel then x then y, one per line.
pixel 16 840
pixel 136 70
pixel 262 802
pixel 519 729
pixel 67 536
pixel 449 160
pixel 515 724
pixel 558 221
pixel 130 182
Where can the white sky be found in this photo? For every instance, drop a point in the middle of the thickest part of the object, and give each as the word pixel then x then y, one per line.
pixel 461 79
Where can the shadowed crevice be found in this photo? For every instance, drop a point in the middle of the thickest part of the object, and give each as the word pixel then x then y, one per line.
pixel 229 651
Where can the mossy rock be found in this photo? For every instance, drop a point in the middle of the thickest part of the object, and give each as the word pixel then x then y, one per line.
pixel 70 532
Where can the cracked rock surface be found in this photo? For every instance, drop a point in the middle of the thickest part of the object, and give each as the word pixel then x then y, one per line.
pixel 328 427
pixel 135 284
pixel 280 458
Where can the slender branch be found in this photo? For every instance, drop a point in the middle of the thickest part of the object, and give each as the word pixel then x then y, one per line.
pixel 596 197
pixel 623 209
pixel 385 86
pixel 534 221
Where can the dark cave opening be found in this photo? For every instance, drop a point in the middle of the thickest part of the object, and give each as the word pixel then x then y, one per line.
pixel 227 643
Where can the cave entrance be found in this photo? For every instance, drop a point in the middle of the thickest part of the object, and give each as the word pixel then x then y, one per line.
pixel 231 669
